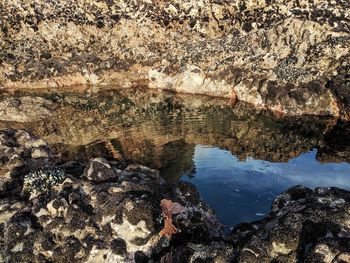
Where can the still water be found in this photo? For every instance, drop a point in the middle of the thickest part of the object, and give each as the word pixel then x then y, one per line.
pixel 243 190
pixel 239 158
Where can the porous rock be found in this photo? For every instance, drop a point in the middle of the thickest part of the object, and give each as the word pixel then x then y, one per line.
pixel 288 56
pixel 19 152
pixel 110 212
pixel 304 226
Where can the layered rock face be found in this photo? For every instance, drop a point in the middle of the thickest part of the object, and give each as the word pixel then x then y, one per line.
pixel 108 211
pixel 288 56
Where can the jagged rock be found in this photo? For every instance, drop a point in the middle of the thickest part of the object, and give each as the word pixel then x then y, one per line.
pixel 107 215
pixel 99 170
pixel 8 207
pixel 294 193
pixel 304 226
pixel 287 56
pixel 110 212
pixel 16 151
pixel 212 252
pixel 39 152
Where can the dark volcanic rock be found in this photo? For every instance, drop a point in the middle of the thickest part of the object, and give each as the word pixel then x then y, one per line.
pixel 19 151
pixel 304 226
pixel 99 170
pixel 110 212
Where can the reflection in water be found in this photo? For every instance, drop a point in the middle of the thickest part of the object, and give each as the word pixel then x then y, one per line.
pixel 243 190
pixel 252 155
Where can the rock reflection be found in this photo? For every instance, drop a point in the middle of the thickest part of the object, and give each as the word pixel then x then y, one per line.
pixel 161 129
pixel 336 146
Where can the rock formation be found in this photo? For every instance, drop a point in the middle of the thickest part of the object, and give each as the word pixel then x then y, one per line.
pixel 303 226
pixel 108 211
pixel 77 194
pixel 99 212
pixel 291 57
pixel 19 152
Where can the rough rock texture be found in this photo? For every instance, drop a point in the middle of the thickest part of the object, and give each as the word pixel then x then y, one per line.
pixel 19 152
pixel 116 220
pixel 108 211
pixel 337 145
pixel 25 109
pixel 288 56
pixel 304 226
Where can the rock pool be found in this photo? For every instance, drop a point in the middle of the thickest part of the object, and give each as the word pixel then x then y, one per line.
pixel 238 157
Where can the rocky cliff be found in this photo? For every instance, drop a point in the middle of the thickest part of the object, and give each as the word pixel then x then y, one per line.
pixel 288 56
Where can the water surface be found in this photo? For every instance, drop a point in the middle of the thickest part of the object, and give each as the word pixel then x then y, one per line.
pixel 243 190
pixel 238 157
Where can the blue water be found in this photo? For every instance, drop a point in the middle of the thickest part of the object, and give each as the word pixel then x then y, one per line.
pixel 242 191
pixel 166 131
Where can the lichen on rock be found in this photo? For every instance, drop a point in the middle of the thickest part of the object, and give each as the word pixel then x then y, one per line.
pixel 110 212
pixel 107 212
pixel 42 181
pixel 267 53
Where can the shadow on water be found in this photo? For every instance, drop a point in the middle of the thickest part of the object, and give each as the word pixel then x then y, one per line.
pixel 238 157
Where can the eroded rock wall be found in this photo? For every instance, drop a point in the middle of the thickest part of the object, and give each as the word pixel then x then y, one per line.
pixel 288 56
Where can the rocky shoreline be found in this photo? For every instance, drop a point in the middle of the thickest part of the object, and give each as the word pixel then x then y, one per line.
pixel 291 57
pixel 110 211
pixel 75 193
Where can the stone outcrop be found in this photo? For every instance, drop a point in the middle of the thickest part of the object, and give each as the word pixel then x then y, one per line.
pixel 287 56
pixel 19 152
pixel 108 211
pixel 303 226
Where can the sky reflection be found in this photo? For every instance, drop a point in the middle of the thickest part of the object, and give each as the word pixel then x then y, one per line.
pixel 243 190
